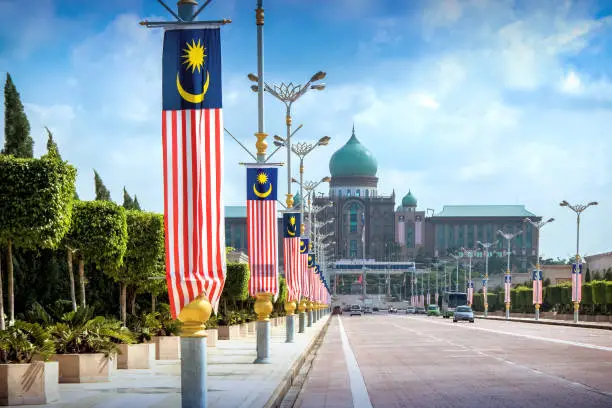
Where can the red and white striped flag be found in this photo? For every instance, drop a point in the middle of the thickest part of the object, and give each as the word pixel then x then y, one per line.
pixel 576 282
pixel 262 229
pixel 291 254
pixel 192 150
pixel 484 291
pixel 537 287
pixel 507 287
pixel 304 247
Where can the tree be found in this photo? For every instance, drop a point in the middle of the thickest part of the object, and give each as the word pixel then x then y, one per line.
pixel 35 206
pixel 52 150
pixel 587 276
pixel 102 193
pixel 17 139
pixel 99 232
pixel 136 203
pixel 128 203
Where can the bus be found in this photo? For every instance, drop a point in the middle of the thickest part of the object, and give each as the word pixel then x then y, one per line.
pixel 450 300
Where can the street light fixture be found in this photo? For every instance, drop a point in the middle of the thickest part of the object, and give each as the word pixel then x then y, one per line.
pixel 576 293
pixel 457 258
pixel 537 291
pixel 486 246
pixel 508 277
pixel 288 93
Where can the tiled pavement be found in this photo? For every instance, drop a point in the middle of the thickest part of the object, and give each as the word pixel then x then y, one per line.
pixel 327 384
pixel 233 379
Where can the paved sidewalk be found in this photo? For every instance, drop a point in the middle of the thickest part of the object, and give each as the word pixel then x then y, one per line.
pixel 233 379
pixel 569 323
pixel 327 384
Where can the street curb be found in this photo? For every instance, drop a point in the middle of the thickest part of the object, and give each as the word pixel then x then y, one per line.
pixel 551 323
pixel 283 388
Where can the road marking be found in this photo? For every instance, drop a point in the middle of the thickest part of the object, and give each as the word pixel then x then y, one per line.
pixel 530 336
pixel 361 399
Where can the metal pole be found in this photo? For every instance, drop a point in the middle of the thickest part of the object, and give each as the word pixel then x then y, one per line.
pixel 577 304
pixel 288 144
pixel 510 288
pixel 302 315
pixel 486 300
pixel 457 281
pixel 311 235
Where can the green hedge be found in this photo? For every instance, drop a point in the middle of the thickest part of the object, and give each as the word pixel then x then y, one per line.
pixel 236 286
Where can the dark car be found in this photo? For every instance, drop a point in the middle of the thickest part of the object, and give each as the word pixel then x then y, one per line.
pixel 375 309
pixel 337 310
pixel 367 309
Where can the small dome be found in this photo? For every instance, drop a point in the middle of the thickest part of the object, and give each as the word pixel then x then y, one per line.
pixel 297 200
pixel 353 159
pixel 409 200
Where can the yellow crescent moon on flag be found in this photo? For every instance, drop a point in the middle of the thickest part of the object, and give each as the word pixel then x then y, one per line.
pixel 189 97
pixel 290 233
pixel 262 195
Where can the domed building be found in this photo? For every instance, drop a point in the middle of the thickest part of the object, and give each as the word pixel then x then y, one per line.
pixel 409 227
pixel 363 227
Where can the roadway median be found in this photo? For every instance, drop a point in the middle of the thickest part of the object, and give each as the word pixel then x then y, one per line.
pixel 588 325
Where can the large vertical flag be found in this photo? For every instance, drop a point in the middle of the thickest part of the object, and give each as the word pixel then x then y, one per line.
pixel 507 287
pixel 484 291
pixel 192 149
pixel 304 246
pixel 262 229
pixel 310 274
pixel 470 292
pixel 537 286
pixel 291 253
pixel 576 282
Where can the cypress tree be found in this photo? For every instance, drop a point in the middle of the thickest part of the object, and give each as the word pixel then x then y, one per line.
pixel 102 193
pixel 587 277
pixel 76 196
pixel 136 205
pixel 128 203
pixel 17 139
pixel 52 149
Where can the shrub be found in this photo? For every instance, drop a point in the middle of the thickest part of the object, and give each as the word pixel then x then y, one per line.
pixel 22 341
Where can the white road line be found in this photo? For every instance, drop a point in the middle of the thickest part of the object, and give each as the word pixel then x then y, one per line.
pixel 361 399
pixel 529 336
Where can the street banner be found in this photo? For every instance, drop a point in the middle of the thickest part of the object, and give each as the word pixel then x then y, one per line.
pixel 507 287
pixel 537 286
pixel 291 254
pixel 304 246
pixel 576 282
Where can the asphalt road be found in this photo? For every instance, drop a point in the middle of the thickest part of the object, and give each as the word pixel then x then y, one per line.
pixel 386 360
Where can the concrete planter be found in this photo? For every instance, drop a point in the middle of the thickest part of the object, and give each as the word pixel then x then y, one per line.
pixel 251 328
pixel 29 384
pixel 167 347
pixel 243 329
pixel 83 368
pixel 213 336
pixel 134 356
pixel 229 332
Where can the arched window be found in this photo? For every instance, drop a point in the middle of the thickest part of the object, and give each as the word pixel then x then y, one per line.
pixel 367 193
pixel 348 192
pixel 357 193
pixel 353 217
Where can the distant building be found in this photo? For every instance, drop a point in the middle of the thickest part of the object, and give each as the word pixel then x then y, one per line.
pixel 599 262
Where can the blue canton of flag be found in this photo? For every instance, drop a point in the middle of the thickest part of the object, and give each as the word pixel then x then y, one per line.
pixel 261 183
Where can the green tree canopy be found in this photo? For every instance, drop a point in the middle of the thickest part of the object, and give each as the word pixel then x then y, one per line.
pixel 52 150
pixel 136 203
pixel 99 232
pixel 35 201
pixel 128 202
pixel 102 193
pixel 17 139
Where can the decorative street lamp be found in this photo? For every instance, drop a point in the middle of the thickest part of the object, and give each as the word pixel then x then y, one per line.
pixel 485 281
pixel 577 266
pixel 288 94
pixel 537 274
pixel 470 287
pixel 508 276
pixel 457 258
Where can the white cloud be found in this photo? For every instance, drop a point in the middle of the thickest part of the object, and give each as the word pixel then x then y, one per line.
pixel 571 83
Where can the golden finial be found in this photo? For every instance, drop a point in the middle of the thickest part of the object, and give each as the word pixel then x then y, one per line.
pixel 261 144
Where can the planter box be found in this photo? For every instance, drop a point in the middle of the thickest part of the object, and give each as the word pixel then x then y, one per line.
pixel 83 368
pixel 229 332
pixel 167 347
pixel 213 336
pixel 134 356
pixel 243 329
pixel 29 384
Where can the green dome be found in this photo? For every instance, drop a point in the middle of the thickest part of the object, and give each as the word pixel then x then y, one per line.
pixel 297 200
pixel 353 159
pixel 409 200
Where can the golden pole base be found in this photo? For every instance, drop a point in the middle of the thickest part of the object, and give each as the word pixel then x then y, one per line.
pixel 508 306
pixel 194 316
pixel 301 306
pixel 263 306
pixel 576 306
pixel 537 306
pixel 309 306
pixel 290 307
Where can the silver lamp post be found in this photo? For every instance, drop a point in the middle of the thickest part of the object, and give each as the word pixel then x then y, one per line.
pixel 508 237
pixel 538 225
pixel 288 94
pixel 578 209
pixel 457 258
pixel 470 254
pixel 486 246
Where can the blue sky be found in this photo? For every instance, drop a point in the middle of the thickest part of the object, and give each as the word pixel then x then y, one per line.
pixel 462 102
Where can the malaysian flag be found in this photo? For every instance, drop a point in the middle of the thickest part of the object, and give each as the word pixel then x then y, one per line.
pixel 470 292
pixel 304 246
pixel 428 298
pixel 484 291
pixel 310 275
pixel 291 252
pixel 576 282
pixel 537 286
pixel 192 154
pixel 507 287
pixel 418 232
pixel 262 234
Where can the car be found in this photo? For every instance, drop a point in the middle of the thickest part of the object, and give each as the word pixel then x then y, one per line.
pixel 367 309
pixel 410 310
pixel 375 309
pixel 463 313
pixel 392 310
pixel 420 310
pixel 432 310
pixel 355 310
pixel 337 310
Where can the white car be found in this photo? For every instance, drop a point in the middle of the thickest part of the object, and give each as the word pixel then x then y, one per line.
pixel 355 310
